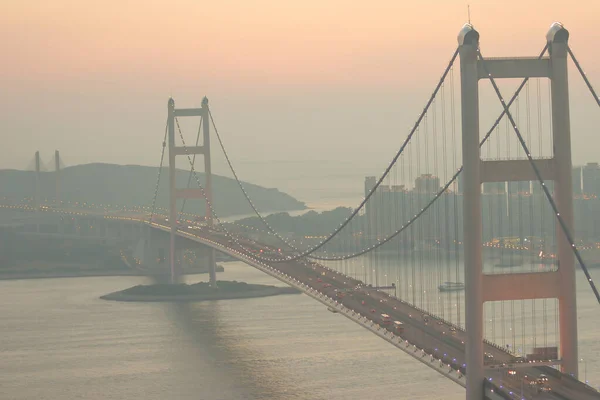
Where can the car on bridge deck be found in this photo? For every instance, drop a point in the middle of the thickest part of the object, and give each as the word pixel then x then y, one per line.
pixel 542 379
pixel 545 388
pixel 398 327
pixel 386 319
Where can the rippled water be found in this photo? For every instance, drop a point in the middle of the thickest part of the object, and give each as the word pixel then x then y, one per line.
pixel 59 341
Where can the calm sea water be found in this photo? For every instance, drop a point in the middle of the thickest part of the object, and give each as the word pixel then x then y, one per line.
pixel 322 184
pixel 60 341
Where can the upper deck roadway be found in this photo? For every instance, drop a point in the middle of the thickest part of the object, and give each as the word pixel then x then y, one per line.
pixel 430 340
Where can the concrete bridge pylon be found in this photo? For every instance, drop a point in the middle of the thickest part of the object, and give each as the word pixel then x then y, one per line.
pixel 189 193
pixel 480 287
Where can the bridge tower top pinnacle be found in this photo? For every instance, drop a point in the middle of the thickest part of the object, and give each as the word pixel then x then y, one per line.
pixel 557 33
pixel 468 35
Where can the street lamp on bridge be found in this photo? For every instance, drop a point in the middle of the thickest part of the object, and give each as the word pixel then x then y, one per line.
pixel 584 370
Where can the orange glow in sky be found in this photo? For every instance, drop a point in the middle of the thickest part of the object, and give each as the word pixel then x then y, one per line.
pixel 248 42
pixel 118 61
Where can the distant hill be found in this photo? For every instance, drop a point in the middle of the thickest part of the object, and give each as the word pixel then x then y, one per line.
pixel 308 224
pixel 133 185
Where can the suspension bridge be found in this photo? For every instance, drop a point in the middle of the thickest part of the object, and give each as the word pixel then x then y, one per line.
pixel 475 232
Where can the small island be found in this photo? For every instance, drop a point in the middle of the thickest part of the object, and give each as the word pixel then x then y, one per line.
pixel 201 291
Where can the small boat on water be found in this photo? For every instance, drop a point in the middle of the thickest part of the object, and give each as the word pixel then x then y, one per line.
pixel 451 286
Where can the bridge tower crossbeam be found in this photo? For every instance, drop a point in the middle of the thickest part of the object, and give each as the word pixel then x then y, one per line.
pixel 189 193
pixel 479 286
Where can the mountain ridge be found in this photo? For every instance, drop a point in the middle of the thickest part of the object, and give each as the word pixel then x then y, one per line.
pixel 133 185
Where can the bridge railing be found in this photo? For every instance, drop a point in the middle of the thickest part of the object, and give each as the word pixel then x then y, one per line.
pixel 567 379
pixel 491 387
pixel 449 323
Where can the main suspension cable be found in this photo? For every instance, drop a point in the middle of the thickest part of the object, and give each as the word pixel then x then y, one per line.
pixel 162 157
pixel 440 192
pixel 210 205
pixel 584 76
pixel 381 242
pixel 241 186
pixel 538 175
pixel 371 192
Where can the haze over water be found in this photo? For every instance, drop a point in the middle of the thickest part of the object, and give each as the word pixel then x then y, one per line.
pixel 61 342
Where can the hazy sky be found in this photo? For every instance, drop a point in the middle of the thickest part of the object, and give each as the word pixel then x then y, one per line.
pixel 287 80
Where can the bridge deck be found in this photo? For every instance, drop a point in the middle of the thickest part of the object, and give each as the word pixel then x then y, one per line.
pixel 428 339
pixel 432 340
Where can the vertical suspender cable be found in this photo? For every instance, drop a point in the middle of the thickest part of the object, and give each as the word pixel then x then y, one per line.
pixel 412 209
pixel 436 232
pixel 419 254
pixel 162 157
pixel 584 76
pixel 379 181
pixel 448 296
pixel 406 238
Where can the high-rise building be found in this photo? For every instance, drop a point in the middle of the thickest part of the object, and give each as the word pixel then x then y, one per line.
pixel 576 177
pixel 590 177
pixel 519 187
pixel 370 182
pixel 398 188
pixel 494 187
pixel 427 183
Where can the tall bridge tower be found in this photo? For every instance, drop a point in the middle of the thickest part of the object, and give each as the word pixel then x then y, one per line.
pixel 189 193
pixel 37 195
pixel 57 177
pixel 479 286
